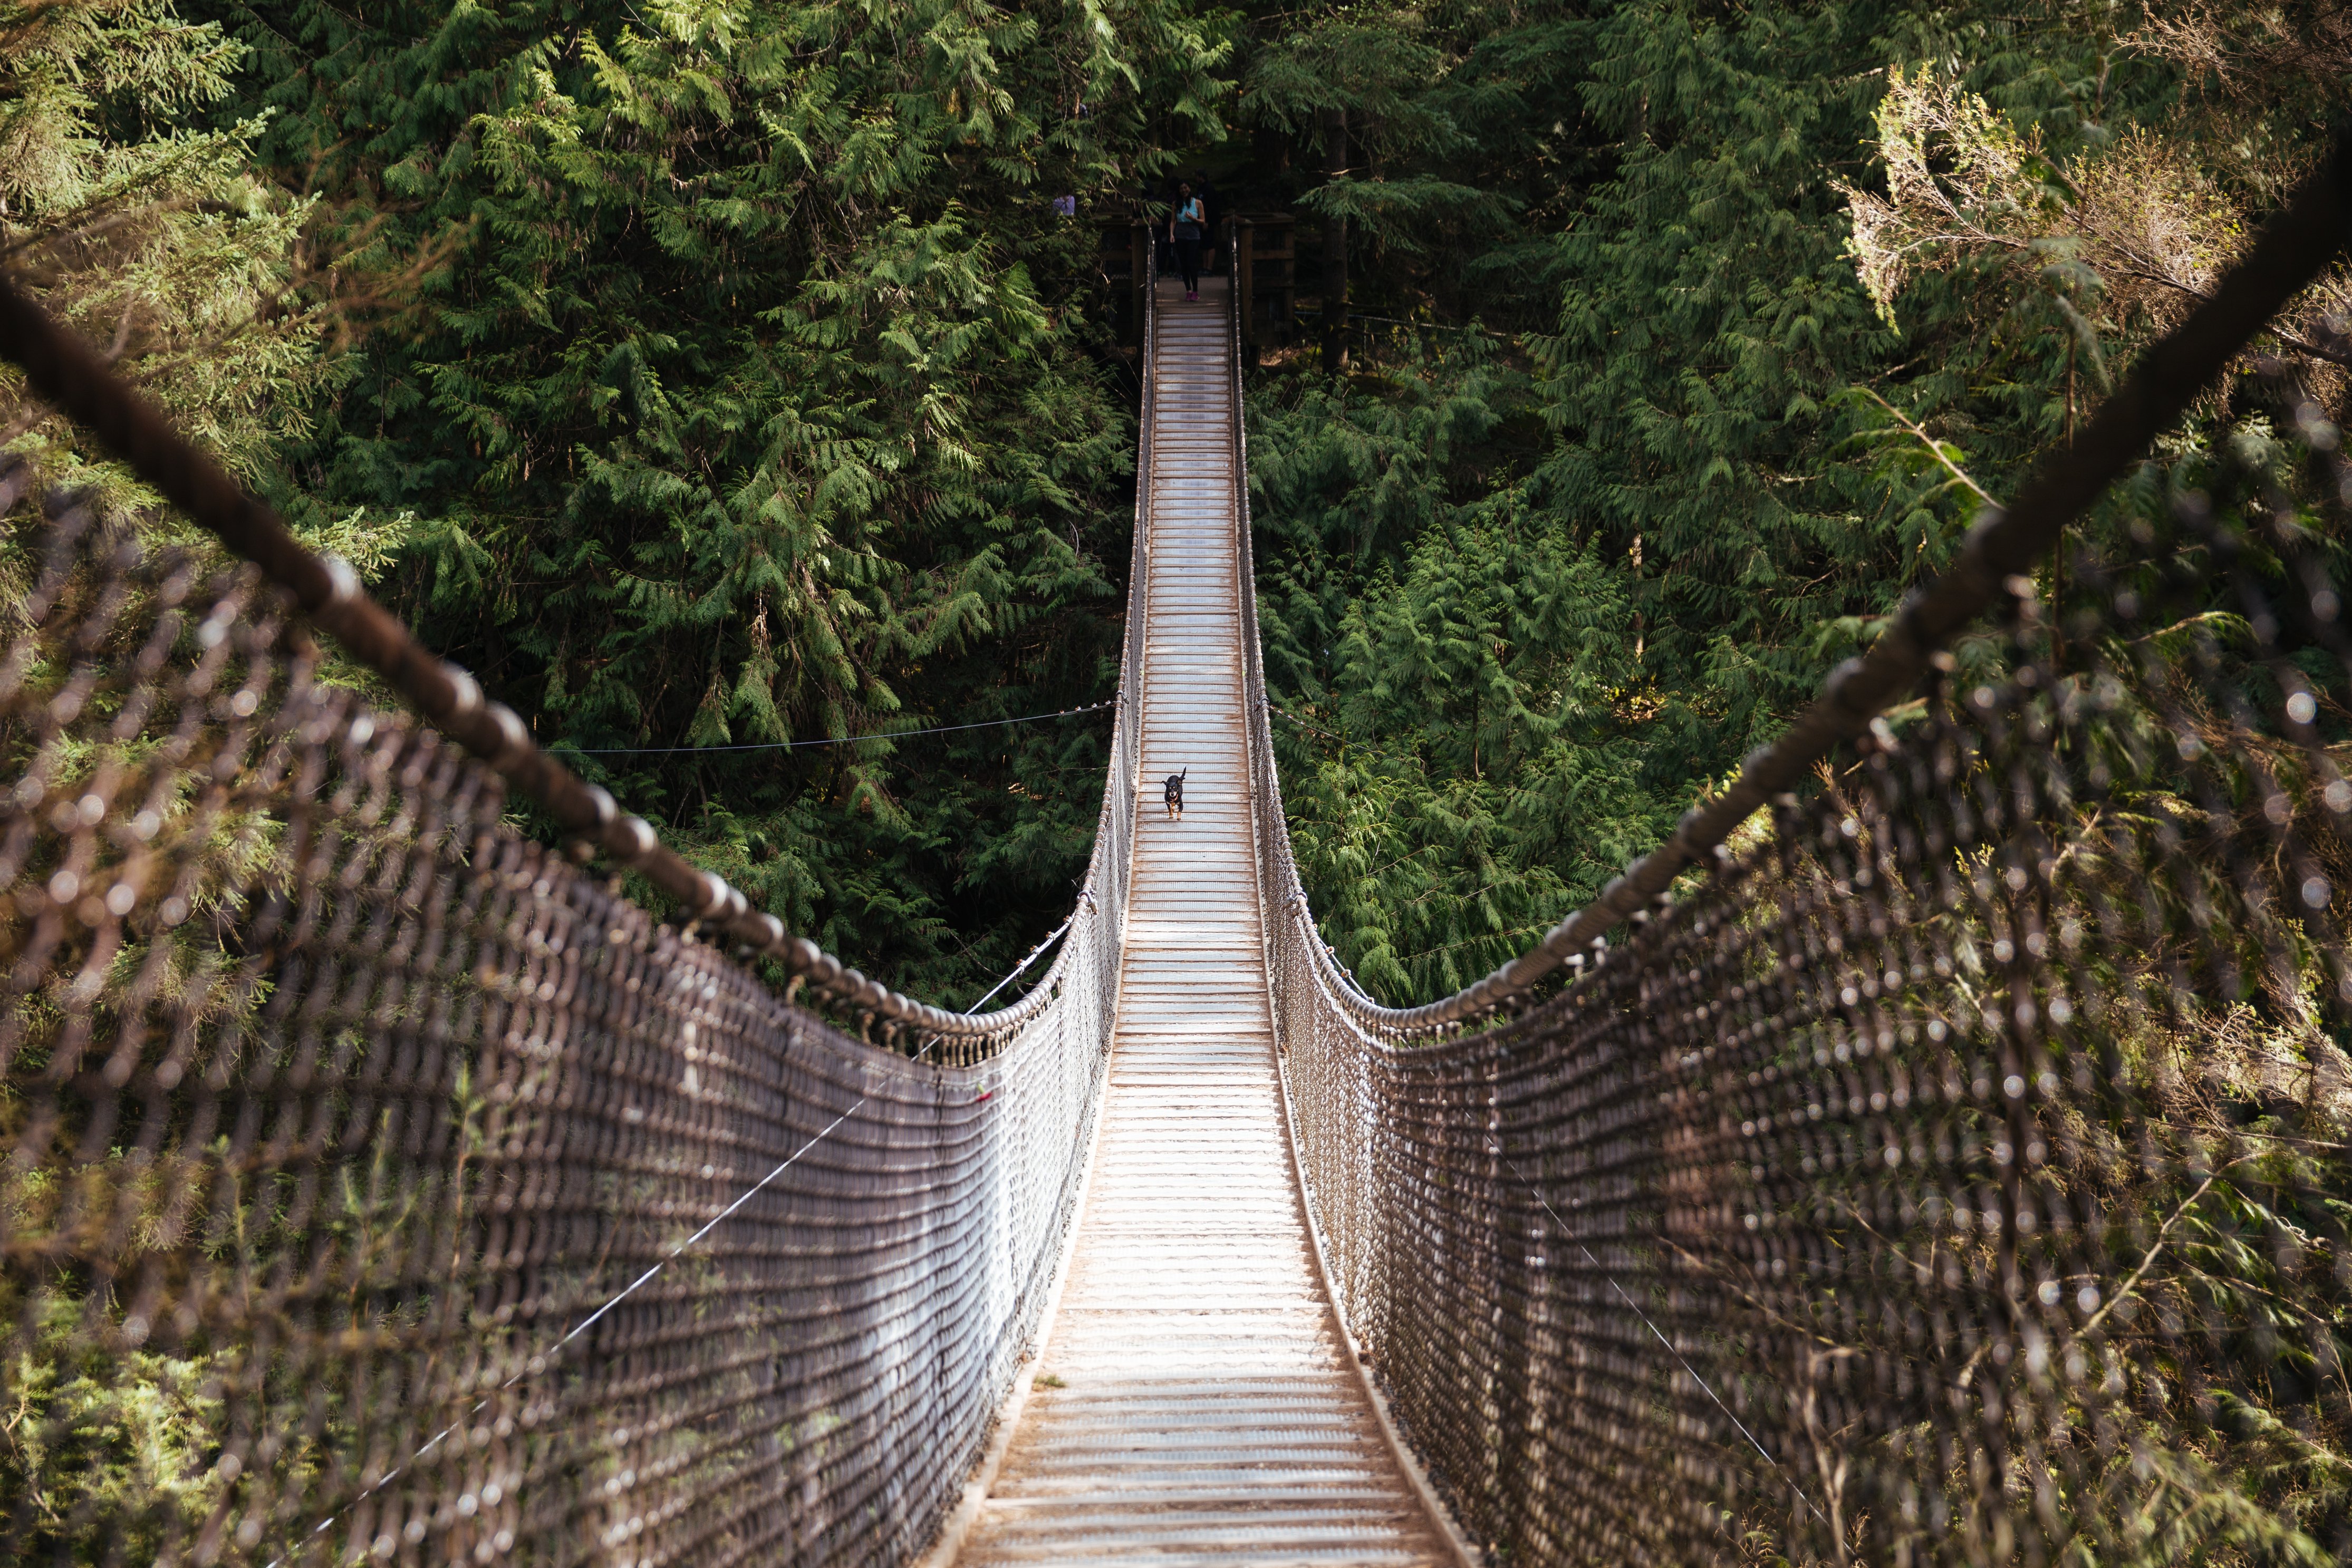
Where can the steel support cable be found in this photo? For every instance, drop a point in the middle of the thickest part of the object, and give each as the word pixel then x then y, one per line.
pixel 682 1247
pixel 1294 718
pixel 2291 250
pixel 677 1251
pixel 69 373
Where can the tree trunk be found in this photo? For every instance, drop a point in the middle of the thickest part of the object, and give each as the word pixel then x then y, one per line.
pixel 1335 247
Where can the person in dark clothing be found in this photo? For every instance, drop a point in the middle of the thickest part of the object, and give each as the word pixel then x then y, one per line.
pixel 1185 227
pixel 1210 213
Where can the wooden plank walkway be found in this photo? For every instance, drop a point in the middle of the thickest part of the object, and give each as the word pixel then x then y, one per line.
pixel 1203 1413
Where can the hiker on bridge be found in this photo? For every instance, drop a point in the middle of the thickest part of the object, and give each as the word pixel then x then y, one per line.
pixel 1186 227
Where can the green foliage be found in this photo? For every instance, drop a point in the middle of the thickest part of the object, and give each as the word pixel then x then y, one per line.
pixel 1457 121
pixel 148 229
pixel 1722 452
pixel 1465 658
pixel 1682 424
pixel 94 1436
pixel 755 394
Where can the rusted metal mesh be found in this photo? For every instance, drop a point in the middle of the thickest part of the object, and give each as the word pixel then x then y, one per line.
pixel 1958 1174
pixel 335 1116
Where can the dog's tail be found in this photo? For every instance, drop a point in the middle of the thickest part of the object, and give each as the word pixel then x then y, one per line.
pixel 1179 777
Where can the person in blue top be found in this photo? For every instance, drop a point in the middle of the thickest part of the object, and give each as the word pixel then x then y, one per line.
pixel 1185 227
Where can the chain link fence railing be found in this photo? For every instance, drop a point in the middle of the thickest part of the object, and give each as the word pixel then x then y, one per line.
pixel 379 1186
pixel 1955 1167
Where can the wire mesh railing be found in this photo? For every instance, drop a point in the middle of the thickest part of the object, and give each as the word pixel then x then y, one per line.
pixel 1955 1170
pixel 379 1186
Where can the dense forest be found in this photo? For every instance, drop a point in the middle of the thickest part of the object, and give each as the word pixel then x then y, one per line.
pixel 1759 299
pixel 710 376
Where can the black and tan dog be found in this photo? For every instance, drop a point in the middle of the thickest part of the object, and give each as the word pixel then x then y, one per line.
pixel 1171 791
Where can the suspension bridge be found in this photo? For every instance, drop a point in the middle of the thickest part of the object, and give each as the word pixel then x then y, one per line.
pixel 1952 1172
pixel 1205 1405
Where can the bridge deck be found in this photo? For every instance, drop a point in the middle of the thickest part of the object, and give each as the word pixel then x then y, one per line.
pixel 1203 1413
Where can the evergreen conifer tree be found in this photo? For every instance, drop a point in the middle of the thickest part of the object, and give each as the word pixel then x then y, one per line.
pixel 758 395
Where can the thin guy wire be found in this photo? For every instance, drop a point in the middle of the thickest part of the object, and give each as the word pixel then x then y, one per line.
pixel 835 740
pixel 1631 1305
